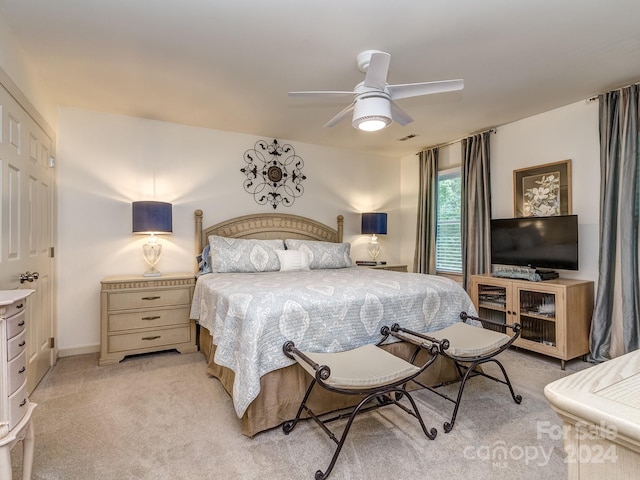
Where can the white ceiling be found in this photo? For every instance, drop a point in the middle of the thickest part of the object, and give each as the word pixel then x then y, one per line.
pixel 228 64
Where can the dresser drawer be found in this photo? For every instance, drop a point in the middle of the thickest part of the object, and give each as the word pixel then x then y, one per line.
pixel 148 318
pixel 16 345
pixel 152 298
pixel 16 307
pixel 18 403
pixel 17 372
pixel 150 339
pixel 15 324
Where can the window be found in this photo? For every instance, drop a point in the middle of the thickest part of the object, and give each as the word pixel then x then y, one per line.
pixel 448 238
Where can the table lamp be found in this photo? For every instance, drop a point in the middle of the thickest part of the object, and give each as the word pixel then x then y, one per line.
pixel 374 224
pixel 152 218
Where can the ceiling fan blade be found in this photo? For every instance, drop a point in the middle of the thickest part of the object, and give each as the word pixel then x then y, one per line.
pixel 377 70
pixel 399 115
pixel 320 94
pixel 340 116
pixel 425 88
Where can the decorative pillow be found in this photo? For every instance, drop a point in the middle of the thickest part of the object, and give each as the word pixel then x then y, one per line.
pixel 291 260
pixel 204 262
pixel 323 254
pixel 244 255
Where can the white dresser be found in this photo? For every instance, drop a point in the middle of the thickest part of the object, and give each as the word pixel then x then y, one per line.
pixel 15 408
pixel 600 409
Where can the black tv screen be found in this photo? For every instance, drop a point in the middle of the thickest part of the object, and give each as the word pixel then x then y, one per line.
pixel 536 242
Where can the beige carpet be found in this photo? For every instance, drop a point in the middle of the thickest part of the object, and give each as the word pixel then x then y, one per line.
pixel 160 417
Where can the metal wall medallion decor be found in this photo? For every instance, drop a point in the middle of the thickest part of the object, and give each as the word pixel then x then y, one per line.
pixel 274 173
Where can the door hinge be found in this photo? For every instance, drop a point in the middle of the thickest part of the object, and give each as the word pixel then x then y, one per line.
pixel 52 161
pixel 52 342
pixel 52 252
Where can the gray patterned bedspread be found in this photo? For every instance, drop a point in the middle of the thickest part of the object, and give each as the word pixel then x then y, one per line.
pixel 251 315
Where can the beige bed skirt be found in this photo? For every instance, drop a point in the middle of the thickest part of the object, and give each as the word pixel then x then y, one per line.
pixel 281 391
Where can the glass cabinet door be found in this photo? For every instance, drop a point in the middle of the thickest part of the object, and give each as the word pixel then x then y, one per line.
pixel 537 316
pixel 493 304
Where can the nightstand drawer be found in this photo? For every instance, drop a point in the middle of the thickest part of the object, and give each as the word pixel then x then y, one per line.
pixel 148 318
pixel 149 339
pixel 150 298
pixel 16 345
pixel 18 404
pixel 17 372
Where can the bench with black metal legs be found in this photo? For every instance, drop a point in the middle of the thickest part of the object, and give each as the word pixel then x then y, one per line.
pixel 369 371
pixel 469 347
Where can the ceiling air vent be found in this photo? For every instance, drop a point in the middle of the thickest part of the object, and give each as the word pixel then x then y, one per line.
pixel 408 137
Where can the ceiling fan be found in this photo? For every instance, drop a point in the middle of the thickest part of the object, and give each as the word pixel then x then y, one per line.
pixel 373 104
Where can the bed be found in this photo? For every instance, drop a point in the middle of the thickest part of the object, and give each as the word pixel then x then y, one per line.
pixel 329 305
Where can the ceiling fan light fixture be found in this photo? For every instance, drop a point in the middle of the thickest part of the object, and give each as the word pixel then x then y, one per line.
pixel 372 124
pixel 371 113
pixel 374 106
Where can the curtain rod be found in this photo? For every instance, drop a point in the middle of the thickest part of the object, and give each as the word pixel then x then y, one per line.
pixel 593 98
pixel 458 140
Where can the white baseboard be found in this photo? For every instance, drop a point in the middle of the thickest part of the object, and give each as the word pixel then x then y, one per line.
pixel 69 352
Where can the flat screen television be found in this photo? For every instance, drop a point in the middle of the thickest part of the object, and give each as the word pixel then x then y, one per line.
pixel 536 242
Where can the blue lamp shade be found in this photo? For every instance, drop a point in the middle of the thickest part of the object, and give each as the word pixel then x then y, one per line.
pixel 374 223
pixel 152 217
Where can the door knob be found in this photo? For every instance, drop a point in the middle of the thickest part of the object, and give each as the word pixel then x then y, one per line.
pixel 28 277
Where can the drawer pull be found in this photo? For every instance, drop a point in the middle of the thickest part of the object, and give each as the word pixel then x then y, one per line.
pixel 152 298
pixel 22 370
pixel 21 324
pixel 22 343
pixel 151 318
pixel 155 337
pixel 24 402
pixel 20 306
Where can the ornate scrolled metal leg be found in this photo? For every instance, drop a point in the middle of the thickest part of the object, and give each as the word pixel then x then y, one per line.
pixel 431 434
pixel 289 425
pixel 516 398
pixel 448 426
pixel 320 476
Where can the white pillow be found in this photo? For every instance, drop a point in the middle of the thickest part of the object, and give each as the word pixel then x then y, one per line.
pixel 291 260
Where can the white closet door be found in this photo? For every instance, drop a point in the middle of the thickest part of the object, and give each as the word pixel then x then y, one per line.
pixel 27 193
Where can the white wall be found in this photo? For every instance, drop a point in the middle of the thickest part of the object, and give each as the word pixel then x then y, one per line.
pixel 24 74
pixel 569 132
pixel 107 161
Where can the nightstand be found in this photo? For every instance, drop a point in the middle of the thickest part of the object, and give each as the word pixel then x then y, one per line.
pixel 145 314
pixel 394 268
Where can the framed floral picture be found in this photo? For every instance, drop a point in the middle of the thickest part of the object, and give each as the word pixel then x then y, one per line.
pixel 543 190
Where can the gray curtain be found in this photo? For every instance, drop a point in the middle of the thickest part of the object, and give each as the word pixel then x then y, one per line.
pixel 615 328
pixel 475 221
pixel 424 260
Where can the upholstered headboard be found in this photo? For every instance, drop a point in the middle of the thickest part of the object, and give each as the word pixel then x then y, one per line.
pixel 267 226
